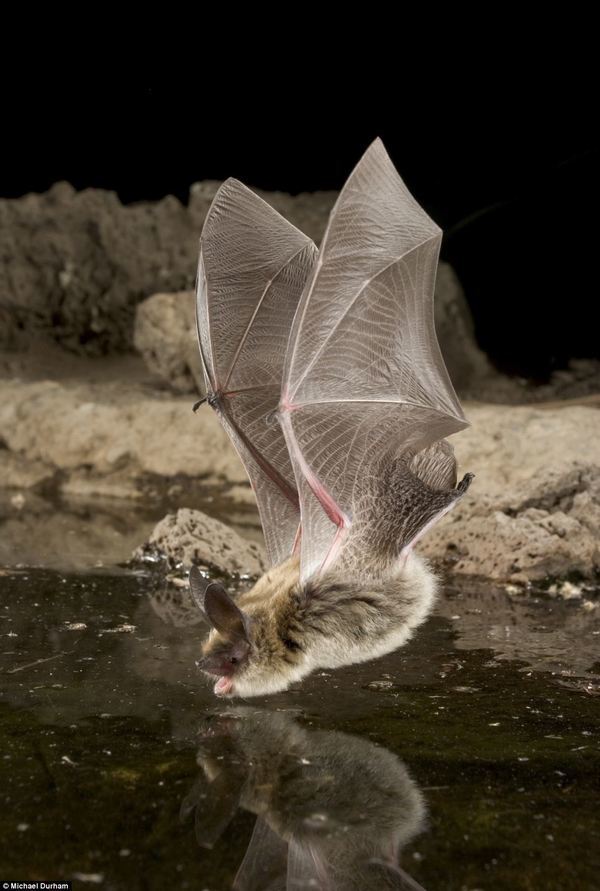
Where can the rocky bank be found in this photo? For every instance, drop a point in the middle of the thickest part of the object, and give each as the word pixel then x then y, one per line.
pixel 82 276
pixel 532 513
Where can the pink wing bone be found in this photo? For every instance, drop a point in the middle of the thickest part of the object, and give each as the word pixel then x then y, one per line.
pixel 323 496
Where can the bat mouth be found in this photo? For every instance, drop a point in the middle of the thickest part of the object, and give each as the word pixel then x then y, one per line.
pixel 224 686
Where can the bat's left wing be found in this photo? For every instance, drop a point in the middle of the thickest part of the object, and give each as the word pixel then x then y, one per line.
pixel 253 267
pixel 365 382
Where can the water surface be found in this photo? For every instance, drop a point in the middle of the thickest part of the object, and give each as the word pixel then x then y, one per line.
pixel 467 760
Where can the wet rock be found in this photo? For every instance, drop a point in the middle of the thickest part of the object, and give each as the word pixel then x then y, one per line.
pixel 165 335
pixel 241 494
pixel 190 536
pixel 70 535
pixel 546 527
pixel 86 484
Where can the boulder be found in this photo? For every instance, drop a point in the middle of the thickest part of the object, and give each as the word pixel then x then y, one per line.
pixel 165 335
pixel 73 265
pixel 191 536
pixel 543 528
pixel 106 428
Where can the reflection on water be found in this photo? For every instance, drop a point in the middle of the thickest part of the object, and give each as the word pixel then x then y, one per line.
pixel 333 811
pixel 492 706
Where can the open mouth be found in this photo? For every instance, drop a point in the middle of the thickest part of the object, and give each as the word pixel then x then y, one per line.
pixel 223 686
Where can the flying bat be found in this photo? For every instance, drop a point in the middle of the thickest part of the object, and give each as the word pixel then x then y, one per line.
pixel 325 370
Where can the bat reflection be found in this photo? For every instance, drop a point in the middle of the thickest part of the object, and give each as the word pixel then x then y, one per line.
pixel 333 811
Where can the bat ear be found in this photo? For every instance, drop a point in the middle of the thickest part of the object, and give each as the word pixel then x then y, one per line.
pixel 198 587
pixel 214 602
pixel 224 615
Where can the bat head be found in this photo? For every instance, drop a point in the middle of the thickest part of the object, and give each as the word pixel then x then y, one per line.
pixel 227 651
pixel 249 648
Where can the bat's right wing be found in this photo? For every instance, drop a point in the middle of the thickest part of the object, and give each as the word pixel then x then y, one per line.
pixel 253 267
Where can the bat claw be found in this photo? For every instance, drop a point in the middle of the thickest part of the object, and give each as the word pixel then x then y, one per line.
pixel 197 405
pixel 465 483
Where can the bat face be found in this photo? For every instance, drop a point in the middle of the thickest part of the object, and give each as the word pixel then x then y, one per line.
pixel 226 660
pixel 252 649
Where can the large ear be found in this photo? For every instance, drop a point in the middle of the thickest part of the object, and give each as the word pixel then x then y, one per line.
pixel 198 587
pixel 224 615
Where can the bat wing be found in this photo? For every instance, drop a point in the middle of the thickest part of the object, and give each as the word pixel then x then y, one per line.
pixel 364 375
pixel 253 267
pixel 264 867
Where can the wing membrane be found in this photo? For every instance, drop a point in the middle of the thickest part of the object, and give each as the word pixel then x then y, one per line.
pixel 253 267
pixel 364 374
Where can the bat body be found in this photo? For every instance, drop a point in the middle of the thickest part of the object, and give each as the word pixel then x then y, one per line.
pixel 325 370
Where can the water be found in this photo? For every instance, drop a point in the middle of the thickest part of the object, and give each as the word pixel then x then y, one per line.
pixel 467 760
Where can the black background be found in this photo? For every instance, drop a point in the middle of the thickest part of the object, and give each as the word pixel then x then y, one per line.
pixel 502 153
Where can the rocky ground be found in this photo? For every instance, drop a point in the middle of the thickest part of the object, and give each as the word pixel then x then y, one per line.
pixel 532 513
pixel 79 270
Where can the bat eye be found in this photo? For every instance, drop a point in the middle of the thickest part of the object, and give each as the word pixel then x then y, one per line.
pixel 233 660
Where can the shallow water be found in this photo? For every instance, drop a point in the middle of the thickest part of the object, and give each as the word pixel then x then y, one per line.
pixel 467 760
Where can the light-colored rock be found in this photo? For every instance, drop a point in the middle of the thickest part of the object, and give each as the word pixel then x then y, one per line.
pixel 165 335
pixel 190 536
pixel 548 526
pixel 529 513
pixel 85 484
pixel 114 428
pixel 507 444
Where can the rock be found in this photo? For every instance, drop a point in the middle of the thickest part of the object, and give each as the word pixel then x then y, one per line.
pixel 190 536
pixel 114 428
pixel 74 265
pixel 546 527
pixel 165 335
pixel 241 495
pixel 506 444
pixel 69 534
pixel 533 509
pixel 85 485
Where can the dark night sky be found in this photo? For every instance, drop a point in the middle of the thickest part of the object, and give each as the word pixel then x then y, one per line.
pixel 506 164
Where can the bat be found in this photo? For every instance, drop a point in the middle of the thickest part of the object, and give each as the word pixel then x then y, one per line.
pixel 325 370
pixel 332 810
